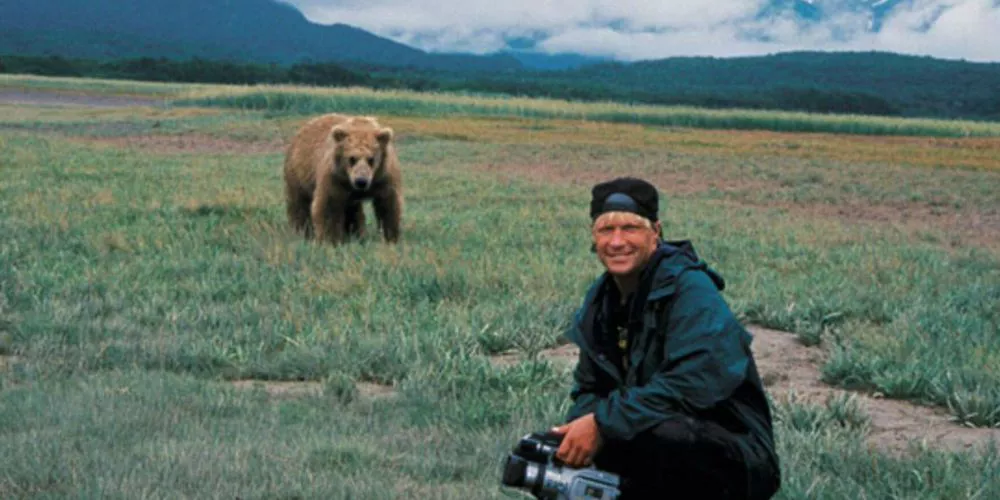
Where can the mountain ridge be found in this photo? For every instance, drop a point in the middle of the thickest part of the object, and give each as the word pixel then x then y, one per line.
pixel 263 31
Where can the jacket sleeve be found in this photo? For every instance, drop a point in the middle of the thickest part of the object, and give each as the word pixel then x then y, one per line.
pixel 705 359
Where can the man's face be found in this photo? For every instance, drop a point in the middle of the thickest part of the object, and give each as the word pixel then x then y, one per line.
pixel 624 242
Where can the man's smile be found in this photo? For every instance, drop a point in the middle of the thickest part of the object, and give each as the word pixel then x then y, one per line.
pixel 620 256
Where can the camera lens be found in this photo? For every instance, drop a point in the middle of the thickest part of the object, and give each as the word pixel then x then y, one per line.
pixel 521 473
pixel 514 471
pixel 535 449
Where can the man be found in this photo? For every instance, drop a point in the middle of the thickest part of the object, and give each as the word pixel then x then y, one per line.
pixel 666 391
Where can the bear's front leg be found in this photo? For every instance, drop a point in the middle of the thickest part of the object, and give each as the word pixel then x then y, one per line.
pixel 354 220
pixel 328 222
pixel 388 211
pixel 297 209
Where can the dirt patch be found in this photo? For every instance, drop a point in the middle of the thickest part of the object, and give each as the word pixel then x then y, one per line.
pixel 966 152
pixel 979 228
pixel 790 368
pixel 372 390
pixel 7 361
pixel 565 354
pixel 46 98
pixel 283 389
pixel 189 143
pixel 298 389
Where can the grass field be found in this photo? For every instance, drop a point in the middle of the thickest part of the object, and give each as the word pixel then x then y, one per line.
pixel 146 266
pixel 311 100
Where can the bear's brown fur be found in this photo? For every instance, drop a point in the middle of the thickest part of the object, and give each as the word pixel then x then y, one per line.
pixel 332 165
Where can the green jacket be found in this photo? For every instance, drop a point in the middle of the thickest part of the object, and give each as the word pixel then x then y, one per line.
pixel 688 355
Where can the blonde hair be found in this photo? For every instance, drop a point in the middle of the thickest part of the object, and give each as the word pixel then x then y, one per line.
pixel 619 217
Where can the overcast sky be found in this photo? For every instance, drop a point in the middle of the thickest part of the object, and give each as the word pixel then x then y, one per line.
pixel 651 29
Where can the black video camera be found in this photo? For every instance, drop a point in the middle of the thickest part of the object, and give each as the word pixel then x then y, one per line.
pixel 533 466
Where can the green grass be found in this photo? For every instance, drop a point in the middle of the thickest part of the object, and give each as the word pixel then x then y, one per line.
pixel 134 285
pixel 128 434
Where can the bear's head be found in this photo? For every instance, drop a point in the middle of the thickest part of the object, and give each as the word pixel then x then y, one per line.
pixel 360 148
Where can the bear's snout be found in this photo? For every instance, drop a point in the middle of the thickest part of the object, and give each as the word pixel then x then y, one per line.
pixel 361 183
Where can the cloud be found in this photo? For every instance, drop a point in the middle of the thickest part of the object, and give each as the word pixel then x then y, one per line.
pixel 645 29
pixel 962 29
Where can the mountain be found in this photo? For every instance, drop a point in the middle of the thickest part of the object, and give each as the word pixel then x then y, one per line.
pixel 260 31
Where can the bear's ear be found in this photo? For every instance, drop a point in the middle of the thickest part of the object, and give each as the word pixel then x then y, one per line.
pixel 339 133
pixel 384 135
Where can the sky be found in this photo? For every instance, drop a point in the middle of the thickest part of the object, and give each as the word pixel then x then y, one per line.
pixel 630 30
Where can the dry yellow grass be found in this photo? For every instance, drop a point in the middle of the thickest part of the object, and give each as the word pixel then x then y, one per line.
pixel 974 153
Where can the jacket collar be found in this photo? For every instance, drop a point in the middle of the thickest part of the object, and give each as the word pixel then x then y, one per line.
pixel 668 262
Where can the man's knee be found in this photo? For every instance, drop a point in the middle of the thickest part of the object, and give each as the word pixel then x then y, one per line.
pixel 683 434
pixel 683 451
pixel 697 436
pixel 680 431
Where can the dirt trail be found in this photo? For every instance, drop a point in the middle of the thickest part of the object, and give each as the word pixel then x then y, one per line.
pixel 789 367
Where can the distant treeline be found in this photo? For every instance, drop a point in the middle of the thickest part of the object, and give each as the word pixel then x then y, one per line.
pixel 609 83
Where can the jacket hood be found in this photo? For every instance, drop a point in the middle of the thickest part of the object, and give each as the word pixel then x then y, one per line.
pixel 678 257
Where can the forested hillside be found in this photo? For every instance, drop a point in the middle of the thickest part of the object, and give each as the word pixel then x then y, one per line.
pixel 902 84
pixel 242 31
pixel 860 82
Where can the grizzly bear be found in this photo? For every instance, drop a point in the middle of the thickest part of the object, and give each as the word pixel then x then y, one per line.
pixel 333 164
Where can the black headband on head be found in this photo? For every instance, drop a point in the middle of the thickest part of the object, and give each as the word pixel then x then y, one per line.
pixel 625 194
pixel 620 202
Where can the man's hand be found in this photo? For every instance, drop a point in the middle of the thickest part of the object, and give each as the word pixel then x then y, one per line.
pixel 580 443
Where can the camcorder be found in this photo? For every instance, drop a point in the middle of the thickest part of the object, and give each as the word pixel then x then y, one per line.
pixel 532 466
